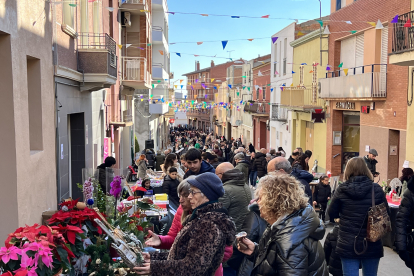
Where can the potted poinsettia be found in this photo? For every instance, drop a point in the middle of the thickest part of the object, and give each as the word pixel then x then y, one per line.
pixel 36 250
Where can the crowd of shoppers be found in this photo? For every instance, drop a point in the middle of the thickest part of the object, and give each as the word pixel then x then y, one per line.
pixel 222 187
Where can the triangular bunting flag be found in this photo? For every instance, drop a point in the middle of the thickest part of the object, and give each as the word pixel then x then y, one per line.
pixel 300 33
pixel 260 74
pixel 293 72
pixel 250 39
pixel 395 19
pixel 248 88
pixel 204 14
pixel 408 23
pixel 276 72
pixel 353 32
pixel 371 23
pixel 340 65
pixel 229 86
pixel 346 72
pixel 212 80
pixel 119 45
pixel 199 43
pixel 182 86
pixel 326 31
pixel 265 16
pixel 161 52
pixel 320 22
pixel 379 25
pixel 178 54
pixel 348 22
pixel 271 89
pixel 127 45
pixel 291 85
pixel 181 81
pixel 224 43
pixel 274 39
pixel 328 67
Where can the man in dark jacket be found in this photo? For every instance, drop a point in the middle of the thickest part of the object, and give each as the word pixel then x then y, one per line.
pixel 109 163
pixel 149 154
pixel 371 162
pixel 282 165
pixel 242 165
pixel 159 159
pixel 237 194
pixel 260 164
pixel 195 164
pixel 251 148
pixel 169 186
pixel 237 197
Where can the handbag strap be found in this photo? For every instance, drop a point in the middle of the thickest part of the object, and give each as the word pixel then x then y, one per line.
pixel 373 197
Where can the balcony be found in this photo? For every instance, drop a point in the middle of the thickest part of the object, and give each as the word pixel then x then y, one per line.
pixel 158 72
pixel 403 41
pixel 300 98
pixel 97 61
pixel 158 108
pixel 279 113
pixel 364 82
pixel 158 36
pixel 257 108
pixel 134 6
pixel 134 73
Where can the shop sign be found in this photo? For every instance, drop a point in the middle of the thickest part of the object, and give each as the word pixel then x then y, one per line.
pixel 106 147
pixel 172 121
pixel 365 109
pixel 345 105
pixel 318 116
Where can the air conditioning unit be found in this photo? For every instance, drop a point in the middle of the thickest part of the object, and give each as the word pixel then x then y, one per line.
pixel 127 20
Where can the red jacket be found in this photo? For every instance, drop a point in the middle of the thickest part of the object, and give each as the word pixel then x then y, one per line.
pixel 168 240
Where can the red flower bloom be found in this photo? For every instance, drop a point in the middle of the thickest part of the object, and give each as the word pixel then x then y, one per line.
pixel 69 230
pixel 139 228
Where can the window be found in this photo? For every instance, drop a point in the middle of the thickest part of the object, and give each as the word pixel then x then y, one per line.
pixel 264 92
pixel 34 88
pixel 257 93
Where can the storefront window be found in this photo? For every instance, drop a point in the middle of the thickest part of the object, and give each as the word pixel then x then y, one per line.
pixel 351 135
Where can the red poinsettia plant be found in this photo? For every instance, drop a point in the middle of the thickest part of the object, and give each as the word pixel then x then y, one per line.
pixel 36 250
pixel 76 225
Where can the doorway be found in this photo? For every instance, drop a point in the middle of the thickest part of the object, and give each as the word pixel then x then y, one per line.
pixel 263 135
pixel 351 136
pixel 76 129
pixel 394 153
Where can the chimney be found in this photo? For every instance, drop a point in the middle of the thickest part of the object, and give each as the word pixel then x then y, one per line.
pixel 198 66
pixel 212 63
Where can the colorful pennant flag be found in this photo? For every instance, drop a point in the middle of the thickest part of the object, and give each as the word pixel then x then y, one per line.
pixel 204 14
pixel 371 23
pixel 196 80
pixel 72 5
pixel 260 74
pixel 346 72
pixel 348 22
pixel 119 45
pixel 229 86
pixel 300 33
pixel 171 13
pixel 274 39
pixel 178 54
pixel 271 89
pixel 340 65
pixel 161 52
pixel 353 32
pixel 181 81
pixel 291 85
pixel 328 67
pixel 250 39
pixel 276 72
pixel 265 16
pixel 182 86
pixel 158 81
pixel 224 43
pixel 408 23
pixel 320 22
pixel 234 16
pixel 293 72
pixel 199 43
pixel 395 19
pixel 212 80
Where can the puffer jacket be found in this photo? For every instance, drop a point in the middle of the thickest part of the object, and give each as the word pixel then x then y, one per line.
pixel 142 169
pixel 405 219
pixel 243 166
pixel 260 164
pixel 331 257
pixel 199 247
pixel 237 196
pixel 168 240
pixel 371 164
pixel 322 192
pixel 291 247
pixel 151 159
pixel 350 203
pixel 304 178
pixel 169 186
pixel 254 226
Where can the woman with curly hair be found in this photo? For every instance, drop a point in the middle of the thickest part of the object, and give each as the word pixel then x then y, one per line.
pixel 142 166
pixel 172 161
pixel 290 244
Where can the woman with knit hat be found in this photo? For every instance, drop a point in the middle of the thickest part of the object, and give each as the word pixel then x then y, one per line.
pixel 199 247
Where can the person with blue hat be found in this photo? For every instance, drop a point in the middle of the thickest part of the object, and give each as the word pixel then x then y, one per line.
pixel 199 246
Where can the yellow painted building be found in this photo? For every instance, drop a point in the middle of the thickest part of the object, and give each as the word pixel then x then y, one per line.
pixel 302 98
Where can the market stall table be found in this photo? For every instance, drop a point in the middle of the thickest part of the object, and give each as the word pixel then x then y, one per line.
pixel 389 238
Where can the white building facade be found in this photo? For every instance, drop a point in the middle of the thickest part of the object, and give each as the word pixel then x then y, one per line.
pixel 281 75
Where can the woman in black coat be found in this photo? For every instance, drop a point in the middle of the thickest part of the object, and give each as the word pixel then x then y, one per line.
pixel 404 225
pixel 350 203
pixel 290 244
pixel 260 164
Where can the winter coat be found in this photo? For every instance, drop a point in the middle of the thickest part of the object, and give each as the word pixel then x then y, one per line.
pixel 350 203
pixel 215 164
pixel 322 192
pixel 243 166
pixel 198 249
pixel 260 164
pixel 159 160
pixel 205 167
pixel 304 178
pixel 332 258
pixel 218 152
pixel 169 186
pixel 371 164
pixel 251 148
pixel 151 159
pixel 102 176
pixel 254 226
pixel 405 218
pixel 168 240
pixel 291 247
pixel 142 169
pixel 237 196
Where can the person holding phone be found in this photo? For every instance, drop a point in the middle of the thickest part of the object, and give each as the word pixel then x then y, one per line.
pixel 371 162
pixel 290 244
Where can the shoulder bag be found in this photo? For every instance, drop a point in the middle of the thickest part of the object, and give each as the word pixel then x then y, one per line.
pixel 378 224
